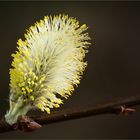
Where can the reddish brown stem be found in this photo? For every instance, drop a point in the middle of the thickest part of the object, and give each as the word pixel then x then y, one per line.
pixel 120 106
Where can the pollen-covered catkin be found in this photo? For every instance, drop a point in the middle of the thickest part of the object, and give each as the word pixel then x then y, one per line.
pixel 48 63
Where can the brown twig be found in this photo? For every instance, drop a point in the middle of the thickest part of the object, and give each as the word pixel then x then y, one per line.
pixel 120 106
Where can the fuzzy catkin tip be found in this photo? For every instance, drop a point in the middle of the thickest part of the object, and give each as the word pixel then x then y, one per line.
pixel 48 63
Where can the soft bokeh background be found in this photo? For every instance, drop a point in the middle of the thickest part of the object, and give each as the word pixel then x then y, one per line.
pixel 113 63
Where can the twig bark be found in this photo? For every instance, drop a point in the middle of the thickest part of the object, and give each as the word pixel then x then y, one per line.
pixel 120 106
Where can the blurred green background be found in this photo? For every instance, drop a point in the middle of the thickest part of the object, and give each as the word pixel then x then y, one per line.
pixel 113 64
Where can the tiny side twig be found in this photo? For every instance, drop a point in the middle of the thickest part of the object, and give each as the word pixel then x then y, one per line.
pixel 119 106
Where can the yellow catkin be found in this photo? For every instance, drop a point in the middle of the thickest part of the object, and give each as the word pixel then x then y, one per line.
pixel 49 62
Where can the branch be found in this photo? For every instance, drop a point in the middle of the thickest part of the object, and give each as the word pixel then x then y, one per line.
pixel 115 107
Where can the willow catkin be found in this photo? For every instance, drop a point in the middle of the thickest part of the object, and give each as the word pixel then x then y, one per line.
pixel 47 65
